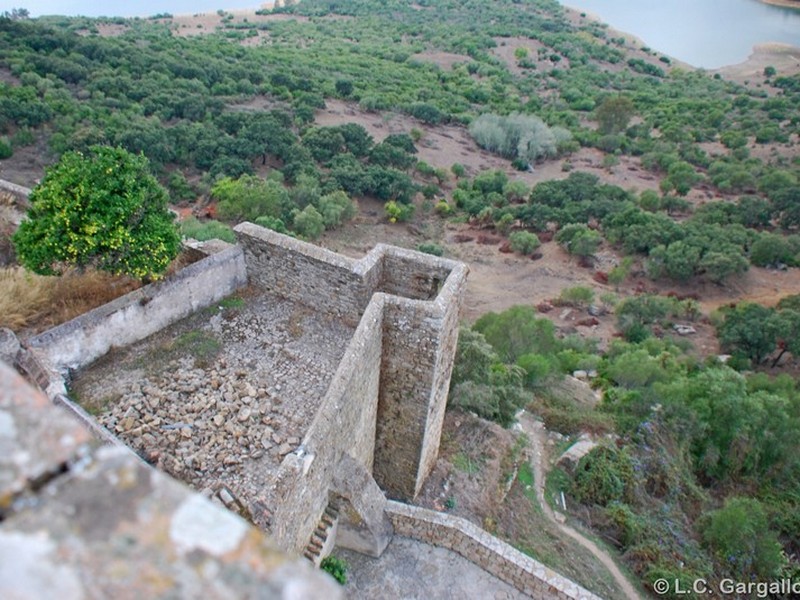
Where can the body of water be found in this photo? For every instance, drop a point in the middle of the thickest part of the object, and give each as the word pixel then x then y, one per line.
pixel 138 8
pixel 703 33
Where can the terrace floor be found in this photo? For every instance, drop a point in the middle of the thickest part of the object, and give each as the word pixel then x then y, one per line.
pixel 409 569
pixel 219 398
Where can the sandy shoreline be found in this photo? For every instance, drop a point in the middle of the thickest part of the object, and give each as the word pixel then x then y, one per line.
pixel 784 3
pixel 784 57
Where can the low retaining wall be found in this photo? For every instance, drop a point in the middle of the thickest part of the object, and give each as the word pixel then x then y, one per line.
pixel 140 313
pixel 18 191
pixel 493 555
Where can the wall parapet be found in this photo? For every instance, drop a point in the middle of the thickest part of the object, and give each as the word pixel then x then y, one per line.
pixel 478 546
pixel 140 313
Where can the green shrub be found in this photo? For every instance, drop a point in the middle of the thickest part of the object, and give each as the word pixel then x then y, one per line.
pixel 524 242
pixel 396 211
pixel 309 223
pixel 740 536
pixel 6 151
pixel 336 568
pixel 578 295
pixel 430 248
pixel 202 231
pixel 604 475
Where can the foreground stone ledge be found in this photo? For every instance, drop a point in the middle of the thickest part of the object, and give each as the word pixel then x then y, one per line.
pixel 95 522
pixel 493 555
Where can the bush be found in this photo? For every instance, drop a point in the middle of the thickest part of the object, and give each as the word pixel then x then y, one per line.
pixel 433 249
pixel 101 209
pixel 521 137
pixel 336 568
pixel 740 537
pixel 604 475
pixel 524 242
pixel 577 296
pixel 202 231
pixel 396 211
pixel 309 223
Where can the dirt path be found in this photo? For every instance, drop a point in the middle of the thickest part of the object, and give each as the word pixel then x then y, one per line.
pixel 539 463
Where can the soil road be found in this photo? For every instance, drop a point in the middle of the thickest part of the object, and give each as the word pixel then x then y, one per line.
pixel 539 463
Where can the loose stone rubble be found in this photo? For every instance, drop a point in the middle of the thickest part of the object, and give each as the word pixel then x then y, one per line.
pixel 222 427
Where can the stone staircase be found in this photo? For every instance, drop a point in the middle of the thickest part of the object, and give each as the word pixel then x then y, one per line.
pixel 320 544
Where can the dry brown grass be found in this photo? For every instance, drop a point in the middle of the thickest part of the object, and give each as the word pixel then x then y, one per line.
pixel 24 297
pixel 34 302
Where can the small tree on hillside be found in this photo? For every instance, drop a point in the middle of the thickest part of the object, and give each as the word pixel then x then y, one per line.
pixel 102 209
pixel 614 114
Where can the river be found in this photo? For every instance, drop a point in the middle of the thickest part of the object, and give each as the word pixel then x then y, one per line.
pixel 702 33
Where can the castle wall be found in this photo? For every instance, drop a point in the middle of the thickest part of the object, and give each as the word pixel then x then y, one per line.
pixel 309 275
pixel 140 313
pixel 419 348
pixel 345 424
pixel 476 545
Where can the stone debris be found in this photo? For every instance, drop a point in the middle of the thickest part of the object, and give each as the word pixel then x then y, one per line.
pixel 228 424
pixel 684 329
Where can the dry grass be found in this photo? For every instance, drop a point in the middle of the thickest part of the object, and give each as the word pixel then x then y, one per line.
pixel 24 297
pixel 34 303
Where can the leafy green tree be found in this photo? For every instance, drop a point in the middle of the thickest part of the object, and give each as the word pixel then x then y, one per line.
pixel 524 242
pixel 336 208
pixel 719 265
pixel 749 329
pixel 578 239
pixel 740 537
pixel 102 209
pixel 309 223
pixel 517 331
pixel 250 197
pixel 681 177
pixel 344 87
pixel 769 250
pixel 677 261
pixel 614 114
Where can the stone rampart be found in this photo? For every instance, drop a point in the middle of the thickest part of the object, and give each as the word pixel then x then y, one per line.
pixel 140 313
pixel 309 275
pixel 82 521
pixel 345 424
pixel 17 191
pixel 495 556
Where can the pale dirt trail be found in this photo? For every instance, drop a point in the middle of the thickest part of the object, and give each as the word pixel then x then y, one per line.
pixel 535 431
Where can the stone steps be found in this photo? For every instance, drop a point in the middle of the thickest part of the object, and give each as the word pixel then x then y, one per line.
pixel 316 544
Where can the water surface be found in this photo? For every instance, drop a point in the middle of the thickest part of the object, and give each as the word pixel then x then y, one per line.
pixel 703 33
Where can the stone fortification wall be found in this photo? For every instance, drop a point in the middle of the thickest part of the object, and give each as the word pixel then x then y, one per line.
pixel 419 349
pixel 140 313
pixel 309 275
pixel 344 425
pixel 17 191
pixel 81 521
pixel 393 379
pixel 495 556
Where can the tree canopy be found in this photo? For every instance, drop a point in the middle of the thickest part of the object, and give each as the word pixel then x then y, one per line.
pixel 102 208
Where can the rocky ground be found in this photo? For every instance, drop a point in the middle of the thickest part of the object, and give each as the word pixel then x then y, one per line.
pixel 220 398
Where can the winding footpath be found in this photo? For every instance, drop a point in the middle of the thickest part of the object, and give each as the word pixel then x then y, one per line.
pixel 538 437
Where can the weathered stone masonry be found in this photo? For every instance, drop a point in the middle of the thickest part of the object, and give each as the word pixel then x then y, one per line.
pixel 385 405
pixel 377 429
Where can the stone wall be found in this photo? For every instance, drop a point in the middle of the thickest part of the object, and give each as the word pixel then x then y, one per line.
pixel 140 313
pixel 344 425
pixel 309 275
pixel 19 192
pixel 419 349
pixel 495 556
pixel 392 382
pixel 82 521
